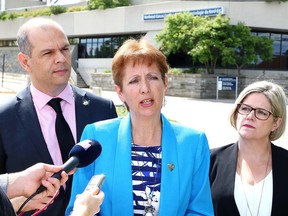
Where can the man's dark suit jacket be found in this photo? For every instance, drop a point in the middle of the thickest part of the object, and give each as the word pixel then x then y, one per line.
pixel 22 143
pixel 6 208
pixel 222 179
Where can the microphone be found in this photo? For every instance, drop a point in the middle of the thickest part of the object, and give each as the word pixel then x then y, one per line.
pixel 82 154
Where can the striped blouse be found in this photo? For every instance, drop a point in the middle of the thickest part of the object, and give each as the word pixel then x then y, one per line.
pixel 146 177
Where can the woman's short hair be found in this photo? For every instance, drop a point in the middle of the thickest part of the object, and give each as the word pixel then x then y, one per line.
pixel 137 51
pixel 277 98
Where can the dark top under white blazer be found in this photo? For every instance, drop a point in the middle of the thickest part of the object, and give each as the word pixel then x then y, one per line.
pixel 22 143
pixel 222 180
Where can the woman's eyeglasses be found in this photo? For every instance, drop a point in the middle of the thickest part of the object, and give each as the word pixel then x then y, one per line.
pixel 259 113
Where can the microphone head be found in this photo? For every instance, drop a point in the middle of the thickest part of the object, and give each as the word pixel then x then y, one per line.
pixel 86 151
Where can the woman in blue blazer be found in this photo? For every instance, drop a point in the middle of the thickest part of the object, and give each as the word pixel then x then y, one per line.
pixel 152 166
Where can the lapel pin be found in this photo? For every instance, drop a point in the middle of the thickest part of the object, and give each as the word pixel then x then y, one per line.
pixel 170 166
pixel 86 102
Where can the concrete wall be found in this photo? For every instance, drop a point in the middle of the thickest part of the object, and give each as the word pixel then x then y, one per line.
pixel 198 86
pixel 10 4
pixel 11 64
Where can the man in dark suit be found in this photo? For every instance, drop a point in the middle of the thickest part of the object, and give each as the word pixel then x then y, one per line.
pixel 27 126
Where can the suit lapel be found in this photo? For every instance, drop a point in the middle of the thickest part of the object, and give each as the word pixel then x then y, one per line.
pixel 229 169
pixel 169 179
pixel 27 116
pixel 227 176
pixel 122 180
pixel 82 102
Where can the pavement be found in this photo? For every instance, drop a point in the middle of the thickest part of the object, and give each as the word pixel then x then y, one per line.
pixel 4 90
pixel 11 84
pixel 210 116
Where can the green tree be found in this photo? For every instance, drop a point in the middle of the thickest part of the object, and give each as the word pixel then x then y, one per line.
pixel 177 33
pixel 264 48
pixel 209 40
pixel 202 38
pixel 243 48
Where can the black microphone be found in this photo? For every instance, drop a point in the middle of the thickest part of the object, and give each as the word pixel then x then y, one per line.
pixel 81 155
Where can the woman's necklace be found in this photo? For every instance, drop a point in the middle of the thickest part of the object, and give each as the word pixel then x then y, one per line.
pixel 149 208
pixel 259 204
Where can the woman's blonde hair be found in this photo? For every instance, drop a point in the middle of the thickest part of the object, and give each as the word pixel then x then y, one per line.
pixel 277 98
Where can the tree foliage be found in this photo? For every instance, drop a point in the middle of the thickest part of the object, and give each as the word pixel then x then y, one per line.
pixel 104 4
pixel 91 5
pixel 245 48
pixel 209 40
pixel 57 9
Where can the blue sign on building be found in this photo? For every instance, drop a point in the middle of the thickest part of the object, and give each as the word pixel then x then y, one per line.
pixel 199 12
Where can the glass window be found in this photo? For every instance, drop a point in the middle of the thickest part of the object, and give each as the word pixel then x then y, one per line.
pixel 280 46
pixel 83 41
pixel 89 48
pixel 275 64
pixel 276 43
pixel 284 52
pixel 8 43
pixel 101 47
pixel 284 45
pixel 262 64
pixel 263 34
pixel 74 41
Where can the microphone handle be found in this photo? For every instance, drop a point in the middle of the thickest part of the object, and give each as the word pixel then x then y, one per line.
pixel 71 164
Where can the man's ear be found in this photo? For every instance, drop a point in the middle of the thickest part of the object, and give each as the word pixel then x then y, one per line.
pixel 24 61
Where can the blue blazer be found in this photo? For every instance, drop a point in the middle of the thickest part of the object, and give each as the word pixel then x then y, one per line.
pixel 22 143
pixel 184 191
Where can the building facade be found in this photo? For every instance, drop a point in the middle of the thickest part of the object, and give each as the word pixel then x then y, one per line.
pixel 98 33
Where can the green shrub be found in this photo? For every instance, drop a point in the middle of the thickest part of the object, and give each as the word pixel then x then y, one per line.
pixel 3 15
pixel 77 8
pixel 93 4
pixel 8 16
pixel 187 70
pixel 104 4
pixel 175 70
pixel 42 12
pixel 107 71
pixel 57 9
pixel 12 16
